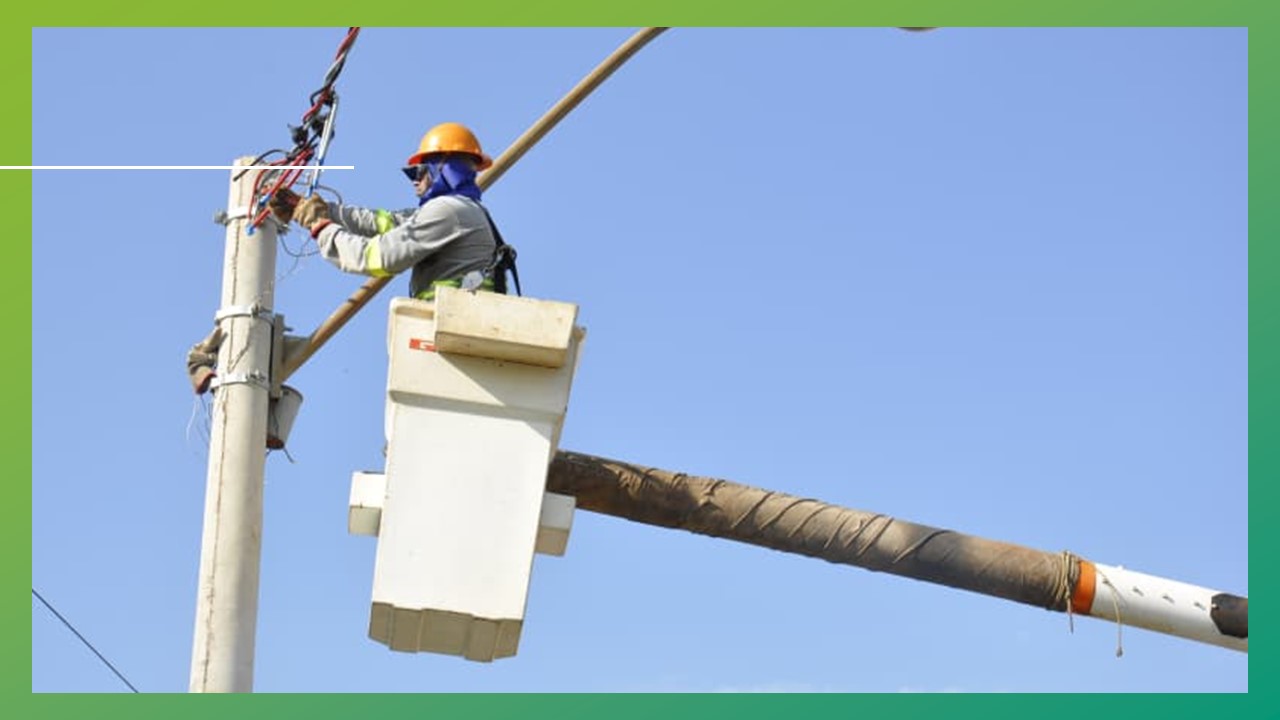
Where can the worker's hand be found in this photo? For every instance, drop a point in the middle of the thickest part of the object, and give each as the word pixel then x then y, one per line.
pixel 311 211
pixel 282 204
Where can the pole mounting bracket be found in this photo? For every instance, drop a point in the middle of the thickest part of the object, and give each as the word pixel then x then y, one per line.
pixel 254 378
pixel 251 311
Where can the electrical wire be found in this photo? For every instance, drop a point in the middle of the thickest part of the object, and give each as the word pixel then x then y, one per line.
pixel 83 640
pixel 336 194
pixel 302 251
pixel 316 127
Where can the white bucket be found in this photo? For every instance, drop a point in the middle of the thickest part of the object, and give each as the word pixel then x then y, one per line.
pixel 281 413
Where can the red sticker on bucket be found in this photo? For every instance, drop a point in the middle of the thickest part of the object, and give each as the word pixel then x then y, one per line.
pixel 420 344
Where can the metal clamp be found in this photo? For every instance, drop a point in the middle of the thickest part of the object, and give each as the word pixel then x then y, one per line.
pixel 254 378
pixel 251 311
pixel 224 217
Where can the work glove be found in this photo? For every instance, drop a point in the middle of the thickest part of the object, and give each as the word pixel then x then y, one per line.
pixel 311 211
pixel 282 204
pixel 201 360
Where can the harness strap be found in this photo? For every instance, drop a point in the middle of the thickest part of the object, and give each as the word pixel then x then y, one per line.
pixel 504 259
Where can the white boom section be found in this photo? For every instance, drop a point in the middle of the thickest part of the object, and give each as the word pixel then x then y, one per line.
pixel 1154 603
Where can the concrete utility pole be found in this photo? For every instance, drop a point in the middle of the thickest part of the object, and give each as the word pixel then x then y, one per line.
pixel 227 603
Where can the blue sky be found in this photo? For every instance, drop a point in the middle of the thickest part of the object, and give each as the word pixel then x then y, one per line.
pixel 992 280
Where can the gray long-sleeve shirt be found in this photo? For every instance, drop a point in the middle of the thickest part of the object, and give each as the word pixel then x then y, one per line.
pixel 443 239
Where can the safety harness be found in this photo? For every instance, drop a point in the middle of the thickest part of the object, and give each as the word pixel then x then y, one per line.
pixel 504 261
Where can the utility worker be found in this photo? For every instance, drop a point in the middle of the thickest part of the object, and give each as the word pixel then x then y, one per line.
pixel 448 239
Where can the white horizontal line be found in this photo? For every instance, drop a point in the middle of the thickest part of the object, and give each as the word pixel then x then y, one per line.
pixel 173 167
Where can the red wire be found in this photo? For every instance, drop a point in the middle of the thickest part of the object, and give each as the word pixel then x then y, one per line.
pixel 302 155
pixel 286 179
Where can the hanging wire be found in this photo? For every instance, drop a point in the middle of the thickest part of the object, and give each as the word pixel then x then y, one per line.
pixel 336 194
pixel 83 640
pixel 196 402
pixel 302 252
pixel 307 247
pixel 299 253
pixel 1115 603
pixel 298 257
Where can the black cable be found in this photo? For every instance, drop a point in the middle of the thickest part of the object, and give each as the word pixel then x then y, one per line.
pixel 83 640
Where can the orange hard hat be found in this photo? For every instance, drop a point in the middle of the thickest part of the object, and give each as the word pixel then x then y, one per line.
pixel 450 137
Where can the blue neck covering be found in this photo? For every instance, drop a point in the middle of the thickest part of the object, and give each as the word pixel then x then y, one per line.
pixel 452 176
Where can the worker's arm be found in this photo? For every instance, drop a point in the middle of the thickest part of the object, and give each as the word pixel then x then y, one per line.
pixel 285 203
pixel 367 222
pixel 432 227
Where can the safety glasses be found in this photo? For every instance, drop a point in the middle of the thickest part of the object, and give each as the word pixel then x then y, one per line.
pixel 415 172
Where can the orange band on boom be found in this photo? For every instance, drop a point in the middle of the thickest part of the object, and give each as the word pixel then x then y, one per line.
pixel 1082 595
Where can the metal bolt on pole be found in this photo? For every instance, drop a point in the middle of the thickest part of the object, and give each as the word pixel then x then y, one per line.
pixel 227 600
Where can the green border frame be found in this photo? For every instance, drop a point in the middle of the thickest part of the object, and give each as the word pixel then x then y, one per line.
pixel 1264 325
